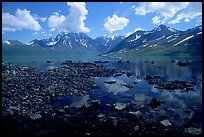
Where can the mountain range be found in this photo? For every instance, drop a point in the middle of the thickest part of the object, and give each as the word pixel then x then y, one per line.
pixel 72 42
pixel 162 40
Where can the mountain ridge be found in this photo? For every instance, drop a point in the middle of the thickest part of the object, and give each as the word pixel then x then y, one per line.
pixel 161 36
pixel 160 39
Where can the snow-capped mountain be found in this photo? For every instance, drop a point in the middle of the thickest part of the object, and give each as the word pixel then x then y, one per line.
pixel 66 40
pixel 12 43
pixel 161 40
pixel 79 41
pixel 106 43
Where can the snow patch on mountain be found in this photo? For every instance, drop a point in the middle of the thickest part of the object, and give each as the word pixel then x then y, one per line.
pixel 169 37
pixel 199 33
pixel 145 45
pixel 171 29
pixel 7 42
pixel 52 43
pixel 160 38
pixel 187 38
pixel 136 38
pixel 171 40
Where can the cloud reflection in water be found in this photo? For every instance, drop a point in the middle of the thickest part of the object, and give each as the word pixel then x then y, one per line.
pixel 116 87
pixel 78 101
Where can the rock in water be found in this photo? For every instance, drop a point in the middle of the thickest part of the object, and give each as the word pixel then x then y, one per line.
pixel 95 103
pixel 193 131
pixel 134 115
pixel 120 106
pixel 165 123
pixel 155 103
pixel 110 82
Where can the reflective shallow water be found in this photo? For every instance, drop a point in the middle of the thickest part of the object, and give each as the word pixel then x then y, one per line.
pixel 180 107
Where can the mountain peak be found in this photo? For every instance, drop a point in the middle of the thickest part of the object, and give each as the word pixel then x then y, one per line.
pixel 163 27
pixel 7 42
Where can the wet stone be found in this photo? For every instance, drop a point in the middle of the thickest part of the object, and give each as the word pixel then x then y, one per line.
pixel 193 131
pixel 134 115
pixel 110 82
pixel 35 116
pixel 120 106
pixel 166 123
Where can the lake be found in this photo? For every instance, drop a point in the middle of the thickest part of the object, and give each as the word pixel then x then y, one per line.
pixel 181 108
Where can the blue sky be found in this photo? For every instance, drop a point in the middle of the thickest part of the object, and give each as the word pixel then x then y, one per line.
pixel 25 21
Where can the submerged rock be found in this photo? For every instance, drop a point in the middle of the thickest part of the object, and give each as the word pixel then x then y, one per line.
pixel 35 116
pixel 173 60
pixel 183 63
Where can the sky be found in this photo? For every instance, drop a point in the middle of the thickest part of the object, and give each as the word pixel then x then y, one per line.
pixel 26 21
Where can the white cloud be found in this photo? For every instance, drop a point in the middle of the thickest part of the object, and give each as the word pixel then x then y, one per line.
pixel 21 20
pixel 136 29
pixel 43 19
pixel 55 20
pixel 115 23
pixel 156 20
pixel 52 29
pixel 74 22
pixel 164 10
pixel 192 11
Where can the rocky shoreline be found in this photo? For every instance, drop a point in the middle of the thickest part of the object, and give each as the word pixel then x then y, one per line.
pixel 28 96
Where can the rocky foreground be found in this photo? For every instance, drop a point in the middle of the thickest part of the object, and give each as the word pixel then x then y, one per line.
pixel 28 96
